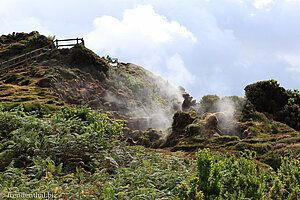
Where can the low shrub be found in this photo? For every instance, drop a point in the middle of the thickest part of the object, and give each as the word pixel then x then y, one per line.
pixel 221 177
pixel 225 139
pixel 181 120
pixel 70 136
pixel 228 177
pixel 260 148
pixel 193 129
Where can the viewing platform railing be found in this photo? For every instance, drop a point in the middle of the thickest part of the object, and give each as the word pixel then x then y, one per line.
pixel 26 58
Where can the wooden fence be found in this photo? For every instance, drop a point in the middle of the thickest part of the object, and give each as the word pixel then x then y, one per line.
pixel 78 41
pixel 23 59
pixel 28 57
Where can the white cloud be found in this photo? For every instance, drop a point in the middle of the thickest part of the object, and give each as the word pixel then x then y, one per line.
pixel 146 22
pixel 144 37
pixel 140 24
pixel 178 74
pixel 26 24
pixel 294 60
pixel 261 3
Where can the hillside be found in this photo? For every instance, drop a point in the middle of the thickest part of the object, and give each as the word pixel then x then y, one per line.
pixel 69 119
pixel 78 76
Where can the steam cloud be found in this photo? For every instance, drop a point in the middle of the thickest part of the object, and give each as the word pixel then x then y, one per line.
pixel 229 108
pixel 153 102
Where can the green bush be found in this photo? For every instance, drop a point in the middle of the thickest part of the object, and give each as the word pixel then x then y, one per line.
pixel 267 96
pixel 294 97
pixel 37 108
pixel 193 129
pixel 181 120
pixel 283 105
pixel 288 182
pixel 208 103
pixel 70 137
pixel 228 177
pixel 259 148
pixel 290 115
pixel 222 177
pixel 124 173
pixel 8 123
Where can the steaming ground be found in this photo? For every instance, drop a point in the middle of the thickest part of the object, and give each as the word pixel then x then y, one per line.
pixel 139 93
pixel 152 102
pixel 227 110
pixel 230 109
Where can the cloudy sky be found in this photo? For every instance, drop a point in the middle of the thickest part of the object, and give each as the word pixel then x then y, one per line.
pixel 206 46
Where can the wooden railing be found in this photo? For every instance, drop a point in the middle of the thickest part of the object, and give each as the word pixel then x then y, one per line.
pixel 78 41
pixel 23 59
pixel 28 57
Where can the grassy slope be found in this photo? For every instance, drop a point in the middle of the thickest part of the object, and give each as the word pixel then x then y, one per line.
pixel 271 141
pixel 78 76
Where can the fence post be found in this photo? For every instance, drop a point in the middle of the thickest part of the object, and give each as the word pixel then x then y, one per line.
pixel 77 40
pixel 56 43
pixel 82 41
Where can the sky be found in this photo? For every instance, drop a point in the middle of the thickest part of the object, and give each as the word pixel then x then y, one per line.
pixel 206 46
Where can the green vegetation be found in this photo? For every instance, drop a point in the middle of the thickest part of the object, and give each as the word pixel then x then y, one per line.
pixel 267 96
pixel 76 133
pixel 70 154
pixel 281 104
pixel 236 148
pixel 209 103
pixel 20 43
pixel 228 177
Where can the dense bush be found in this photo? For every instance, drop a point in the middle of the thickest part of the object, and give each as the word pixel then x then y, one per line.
pixel 294 97
pixel 181 120
pixel 125 173
pixel 71 137
pixel 70 155
pixel 227 177
pixel 208 103
pixel 290 115
pixel 267 96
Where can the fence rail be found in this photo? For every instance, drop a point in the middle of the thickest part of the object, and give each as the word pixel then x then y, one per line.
pixel 78 41
pixel 28 57
pixel 23 59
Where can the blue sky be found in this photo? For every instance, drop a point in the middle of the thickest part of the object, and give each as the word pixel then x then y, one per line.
pixel 206 46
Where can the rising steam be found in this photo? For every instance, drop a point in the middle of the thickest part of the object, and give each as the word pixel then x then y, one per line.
pixel 140 94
